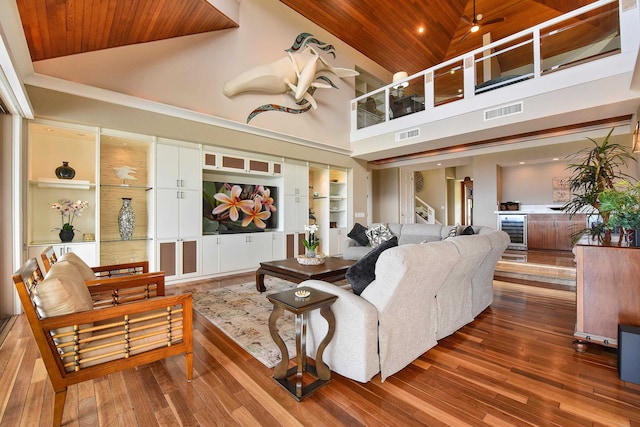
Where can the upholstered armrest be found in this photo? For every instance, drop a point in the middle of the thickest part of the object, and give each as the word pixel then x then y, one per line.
pixel 118 290
pixel 98 337
pixel 353 350
pixel 121 269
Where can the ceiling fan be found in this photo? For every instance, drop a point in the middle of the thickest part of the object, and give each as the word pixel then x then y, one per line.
pixel 475 23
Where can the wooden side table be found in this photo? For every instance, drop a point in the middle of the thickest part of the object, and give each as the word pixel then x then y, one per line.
pixel 287 300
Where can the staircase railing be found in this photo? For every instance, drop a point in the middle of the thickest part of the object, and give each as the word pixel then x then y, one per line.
pixel 424 212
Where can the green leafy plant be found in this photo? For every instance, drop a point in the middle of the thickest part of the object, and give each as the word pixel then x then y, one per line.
pixel 595 170
pixel 622 204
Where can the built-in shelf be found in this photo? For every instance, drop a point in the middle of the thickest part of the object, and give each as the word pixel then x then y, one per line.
pixel 121 186
pixel 117 240
pixel 63 183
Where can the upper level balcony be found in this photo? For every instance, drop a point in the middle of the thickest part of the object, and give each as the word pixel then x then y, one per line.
pixel 557 73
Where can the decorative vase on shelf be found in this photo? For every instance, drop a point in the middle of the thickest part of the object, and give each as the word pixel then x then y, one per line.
pixel 65 171
pixel 66 234
pixel 126 219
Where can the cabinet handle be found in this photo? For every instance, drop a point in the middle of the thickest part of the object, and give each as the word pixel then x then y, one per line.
pixel 177 183
pixel 182 183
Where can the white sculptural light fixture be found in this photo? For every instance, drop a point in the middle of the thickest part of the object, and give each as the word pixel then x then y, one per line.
pixel 297 74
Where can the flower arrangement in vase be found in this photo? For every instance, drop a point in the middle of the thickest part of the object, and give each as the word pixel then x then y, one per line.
pixel 312 241
pixel 68 210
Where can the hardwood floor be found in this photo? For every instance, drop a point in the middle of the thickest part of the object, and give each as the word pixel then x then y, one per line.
pixel 514 365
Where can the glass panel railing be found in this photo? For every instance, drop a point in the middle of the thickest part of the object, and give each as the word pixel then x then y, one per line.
pixel 371 110
pixel 406 97
pixel 581 36
pixel 504 65
pixel 448 83
pixel 584 38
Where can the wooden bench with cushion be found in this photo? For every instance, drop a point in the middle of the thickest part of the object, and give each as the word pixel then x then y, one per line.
pixel 49 257
pixel 79 342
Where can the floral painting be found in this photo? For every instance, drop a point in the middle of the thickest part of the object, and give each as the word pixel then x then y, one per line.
pixel 230 208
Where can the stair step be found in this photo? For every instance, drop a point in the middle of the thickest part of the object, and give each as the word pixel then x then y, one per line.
pixel 537 272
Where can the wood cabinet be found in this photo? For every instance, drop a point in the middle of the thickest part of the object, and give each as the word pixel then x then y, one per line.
pixel 553 231
pixel 241 164
pixel 607 292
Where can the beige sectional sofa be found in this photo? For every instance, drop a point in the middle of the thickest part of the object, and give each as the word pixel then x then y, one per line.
pixel 422 292
pixel 407 233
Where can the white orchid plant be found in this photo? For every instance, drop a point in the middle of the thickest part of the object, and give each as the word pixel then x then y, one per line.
pixel 312 242
pixel 69 210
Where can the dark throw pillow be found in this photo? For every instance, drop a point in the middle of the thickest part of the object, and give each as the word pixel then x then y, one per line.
pixel 363 272
pixel 358 233
pixel 467 231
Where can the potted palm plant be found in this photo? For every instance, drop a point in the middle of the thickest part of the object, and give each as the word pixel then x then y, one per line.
pixel 593 171
pixel 622 204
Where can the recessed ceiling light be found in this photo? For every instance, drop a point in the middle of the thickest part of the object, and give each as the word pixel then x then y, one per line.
pixel 555 159
pixel 420 30
pixel 438 164
pixel 521 163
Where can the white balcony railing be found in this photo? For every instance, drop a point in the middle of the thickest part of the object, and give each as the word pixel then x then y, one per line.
pixel 586 34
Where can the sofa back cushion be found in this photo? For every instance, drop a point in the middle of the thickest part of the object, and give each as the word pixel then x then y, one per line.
pixel 62 292
pixel 419 233
pixel 83 269
pixel 362 273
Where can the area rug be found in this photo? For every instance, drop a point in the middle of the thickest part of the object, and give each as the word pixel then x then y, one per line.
pixel 242 313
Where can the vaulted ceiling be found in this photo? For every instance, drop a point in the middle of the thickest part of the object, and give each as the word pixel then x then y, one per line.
pixel 385 31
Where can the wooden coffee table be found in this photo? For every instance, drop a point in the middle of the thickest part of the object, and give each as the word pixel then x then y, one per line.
pixel 332 270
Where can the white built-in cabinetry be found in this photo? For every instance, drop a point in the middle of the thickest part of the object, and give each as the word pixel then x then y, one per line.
pixel 49 144
pixel 165 187
pixel 328 205
pixel 296 205
pixel 178 209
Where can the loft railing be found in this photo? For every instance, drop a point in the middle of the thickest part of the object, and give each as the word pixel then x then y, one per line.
pixel 580 36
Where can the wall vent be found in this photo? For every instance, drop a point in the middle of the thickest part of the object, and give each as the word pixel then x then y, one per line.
pixel 407 134
pixel 507 110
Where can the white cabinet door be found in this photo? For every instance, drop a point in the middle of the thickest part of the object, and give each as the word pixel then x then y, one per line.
pixel 244 251
pixel 277 246
pixel 179 258
pixel 167 219
pixel 296 179
pixel 190 169
pixel 210 264
pixel 86 251
pixel 296 212
pixel 337 237
pixel 190 213
pixel 167 166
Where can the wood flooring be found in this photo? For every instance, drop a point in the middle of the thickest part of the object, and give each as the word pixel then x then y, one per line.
pixel 513 366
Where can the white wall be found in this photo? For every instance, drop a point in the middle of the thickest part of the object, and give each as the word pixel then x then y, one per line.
pixel 6 246
pixel 386 196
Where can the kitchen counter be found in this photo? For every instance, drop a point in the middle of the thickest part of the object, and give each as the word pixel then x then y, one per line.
pixel 534 209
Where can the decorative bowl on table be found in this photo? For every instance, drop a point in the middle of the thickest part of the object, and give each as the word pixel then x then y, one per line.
pixel 317 260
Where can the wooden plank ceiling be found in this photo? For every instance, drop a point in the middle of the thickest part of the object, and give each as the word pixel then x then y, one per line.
pixel 388 31
pixel 385 31
pixel 66 27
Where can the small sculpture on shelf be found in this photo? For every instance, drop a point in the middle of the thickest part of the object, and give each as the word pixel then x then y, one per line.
pixel 125 173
